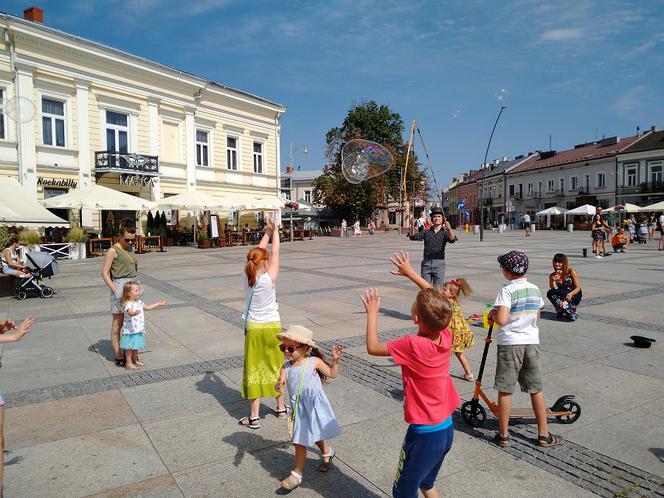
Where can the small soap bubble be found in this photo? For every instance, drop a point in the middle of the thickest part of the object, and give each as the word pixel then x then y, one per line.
pixel 456 114
pixel 364 159
pixel 502 95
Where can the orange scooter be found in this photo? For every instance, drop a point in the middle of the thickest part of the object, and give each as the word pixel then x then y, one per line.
pixel 564 409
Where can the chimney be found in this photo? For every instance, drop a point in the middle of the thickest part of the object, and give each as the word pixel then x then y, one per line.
pixel 653 128
pixel 34 14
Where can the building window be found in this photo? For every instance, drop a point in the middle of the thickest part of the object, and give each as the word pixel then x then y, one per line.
pixel 258 157
pixel 549 186
pixel 530 189
pixel 286 194
pixel 307 196
pixel 2 116
pixel 231 153
pixel 202 150
pixel 53 122
pixel 573 183
pixel 601 180
pixel 511 190
pixel 655 171
pixel 117 131
pixel 630 176
pixel 586 184
pixel 561 185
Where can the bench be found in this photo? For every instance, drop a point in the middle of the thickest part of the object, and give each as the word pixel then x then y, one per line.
pixel 7 285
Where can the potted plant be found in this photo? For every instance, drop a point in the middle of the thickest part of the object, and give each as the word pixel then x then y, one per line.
pixel 203 240
pixel 30 238
pixel 77 238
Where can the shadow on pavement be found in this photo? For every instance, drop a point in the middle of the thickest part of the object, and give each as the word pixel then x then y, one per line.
pixel 274 456
pixel 395 314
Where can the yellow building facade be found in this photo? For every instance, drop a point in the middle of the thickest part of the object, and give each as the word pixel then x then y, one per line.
pixel 87 113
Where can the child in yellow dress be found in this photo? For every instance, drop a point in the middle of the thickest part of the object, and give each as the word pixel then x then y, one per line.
pixel 462 337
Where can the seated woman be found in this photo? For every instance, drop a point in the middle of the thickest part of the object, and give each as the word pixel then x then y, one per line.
pixel 10 262
pixel 565 293
pixel 619 241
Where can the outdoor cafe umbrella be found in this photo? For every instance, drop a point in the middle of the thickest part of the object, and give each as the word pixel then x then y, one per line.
pixel 97 197
pixel 626 208
pixel 586 209
pixel 658 206
pixel 554 210
pixel 193 201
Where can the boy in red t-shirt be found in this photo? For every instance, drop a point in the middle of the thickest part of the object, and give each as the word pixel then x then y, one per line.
pixel 429 393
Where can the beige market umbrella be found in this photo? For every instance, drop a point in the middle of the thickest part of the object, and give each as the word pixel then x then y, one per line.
pixel 98 197
pixel 193 201
pixel 586 209
pixel 625 208
pixel 19 208
pixel 658 206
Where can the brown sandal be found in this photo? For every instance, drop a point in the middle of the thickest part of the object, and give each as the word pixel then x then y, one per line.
pixel 549 440
pixel 325 466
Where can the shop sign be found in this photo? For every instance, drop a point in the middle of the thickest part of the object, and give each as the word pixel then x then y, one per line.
pixel 56 182
pixel 137 180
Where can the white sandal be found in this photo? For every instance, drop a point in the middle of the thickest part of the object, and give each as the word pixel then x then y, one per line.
pixel 325 466
pixel 292 481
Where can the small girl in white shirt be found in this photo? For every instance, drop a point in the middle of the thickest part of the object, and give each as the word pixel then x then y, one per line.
pixel 133 327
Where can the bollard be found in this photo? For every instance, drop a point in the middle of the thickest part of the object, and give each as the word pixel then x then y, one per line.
pixel 466 227
pixel 585 252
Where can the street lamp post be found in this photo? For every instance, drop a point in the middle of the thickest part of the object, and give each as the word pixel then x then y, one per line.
pixel 486 154
pixel 305 151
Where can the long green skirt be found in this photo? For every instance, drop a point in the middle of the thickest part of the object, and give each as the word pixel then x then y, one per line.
pixel 262 360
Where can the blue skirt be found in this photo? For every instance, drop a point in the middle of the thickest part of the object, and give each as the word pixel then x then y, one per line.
pixel 132 341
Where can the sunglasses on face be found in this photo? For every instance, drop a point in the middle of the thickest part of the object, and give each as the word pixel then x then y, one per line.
pixel 290 349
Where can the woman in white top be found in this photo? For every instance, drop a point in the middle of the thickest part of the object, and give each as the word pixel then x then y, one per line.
pixel 10 262
pixel 262 357
pixel 356 229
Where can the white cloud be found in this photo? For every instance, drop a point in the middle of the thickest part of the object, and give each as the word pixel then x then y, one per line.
pixel 633 102
pixel 562 35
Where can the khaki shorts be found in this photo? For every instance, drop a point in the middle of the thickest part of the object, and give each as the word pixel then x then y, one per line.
pixel 518 363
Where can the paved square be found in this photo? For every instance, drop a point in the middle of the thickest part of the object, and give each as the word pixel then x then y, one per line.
pixel 76 425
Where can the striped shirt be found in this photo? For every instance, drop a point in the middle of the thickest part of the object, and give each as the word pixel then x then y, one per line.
pixel 524 302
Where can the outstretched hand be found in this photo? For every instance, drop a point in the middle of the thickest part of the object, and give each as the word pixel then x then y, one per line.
pixel 337 352
pixel 401 260
pixel 371 301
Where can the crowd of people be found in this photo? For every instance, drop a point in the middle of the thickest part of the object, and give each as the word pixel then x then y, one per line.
pixel 639 230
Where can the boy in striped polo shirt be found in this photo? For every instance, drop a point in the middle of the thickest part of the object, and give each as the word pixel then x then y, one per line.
pixel 516 310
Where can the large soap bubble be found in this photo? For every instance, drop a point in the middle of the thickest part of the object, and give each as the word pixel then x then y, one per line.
pixel 364 159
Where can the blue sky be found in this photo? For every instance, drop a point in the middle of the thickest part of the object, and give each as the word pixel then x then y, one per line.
pixel 573 69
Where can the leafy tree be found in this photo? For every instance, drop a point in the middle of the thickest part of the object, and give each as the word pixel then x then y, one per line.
pixel 150 226
pixel 378 123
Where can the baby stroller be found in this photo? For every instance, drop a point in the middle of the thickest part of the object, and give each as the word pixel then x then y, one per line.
pixel 40 265
pixel 641 235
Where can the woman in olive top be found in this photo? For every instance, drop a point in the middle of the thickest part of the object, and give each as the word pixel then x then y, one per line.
pixel 120 267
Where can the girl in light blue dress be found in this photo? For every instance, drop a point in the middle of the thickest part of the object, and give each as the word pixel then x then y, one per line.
pixel 312 418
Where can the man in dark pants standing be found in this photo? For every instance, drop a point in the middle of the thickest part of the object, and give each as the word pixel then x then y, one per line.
pixel 433 262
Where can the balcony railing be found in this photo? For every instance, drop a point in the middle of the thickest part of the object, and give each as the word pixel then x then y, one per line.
pixel 642 188
pixel 107 161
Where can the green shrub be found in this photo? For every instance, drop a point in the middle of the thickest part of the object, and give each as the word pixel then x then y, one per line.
pixel 29 237
pixel 76 235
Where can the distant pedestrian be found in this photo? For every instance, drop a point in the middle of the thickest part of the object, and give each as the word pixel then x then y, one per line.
pixel 660 225
pixel 10 260
pixel 526 223
pixel 652 226
pixel 435 239
pixel 597 232
pixel 344 227
pixel 9 332
pixel 133 325
pixel 312 419
pixel 262 358
pixel 357 231
pixel 372 228
pixel 421 221
pixel 619 241
pixel 631 227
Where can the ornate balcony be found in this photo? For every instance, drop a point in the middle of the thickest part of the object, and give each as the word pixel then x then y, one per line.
pixel 108 161
pixel 642 188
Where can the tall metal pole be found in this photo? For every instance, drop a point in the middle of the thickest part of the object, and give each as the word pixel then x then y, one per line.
pixel 486 154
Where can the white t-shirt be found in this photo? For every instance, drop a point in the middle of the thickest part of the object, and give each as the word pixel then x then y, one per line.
pixel 661 220
pixel 524 302
pixel 264 307
pixel 526 218
pixel 420 222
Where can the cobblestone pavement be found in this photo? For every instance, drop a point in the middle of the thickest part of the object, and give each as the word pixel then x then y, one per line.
pixel 616 448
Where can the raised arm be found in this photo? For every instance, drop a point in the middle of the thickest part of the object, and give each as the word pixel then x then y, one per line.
pixel 402 261
pixel 106 268
pixel 451 237
pixel 148 307
pixel 273 263
pixel 371 301
pixel 330 371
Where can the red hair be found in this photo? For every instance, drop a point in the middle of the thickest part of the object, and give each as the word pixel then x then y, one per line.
pixel 255 258
pixel 458 286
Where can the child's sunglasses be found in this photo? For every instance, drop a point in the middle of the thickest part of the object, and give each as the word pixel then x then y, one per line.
pixel 290 349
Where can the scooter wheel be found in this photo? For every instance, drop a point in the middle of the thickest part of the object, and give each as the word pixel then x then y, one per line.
pixel 569 406
pixel 21 295
pixel 47 292
pixel 474 416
